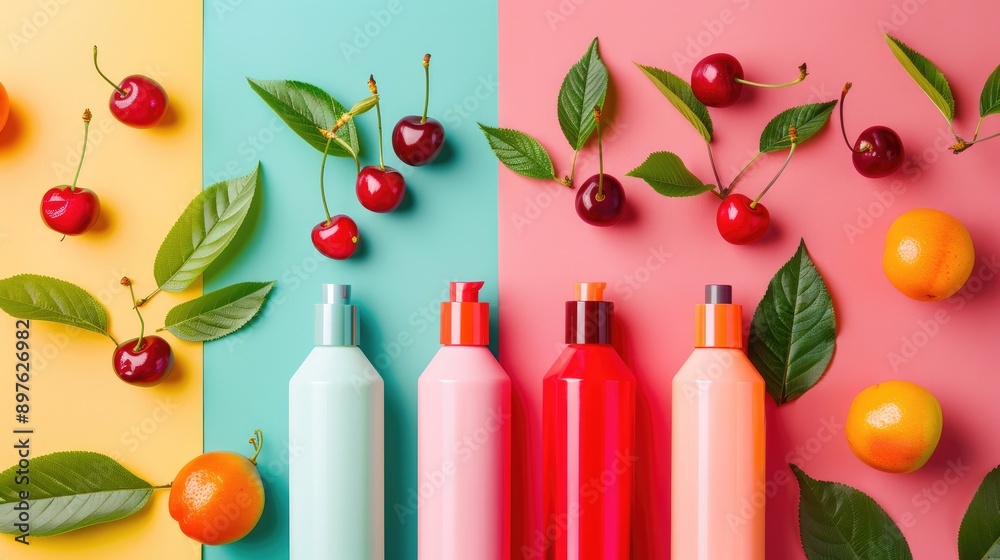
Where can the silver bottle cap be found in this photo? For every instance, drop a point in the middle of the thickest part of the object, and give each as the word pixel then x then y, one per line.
pixel 336 317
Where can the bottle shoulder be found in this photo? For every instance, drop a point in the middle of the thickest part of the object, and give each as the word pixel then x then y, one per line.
pixel 333 364
pixel 459 363
pixel 590 361
pixel 718 364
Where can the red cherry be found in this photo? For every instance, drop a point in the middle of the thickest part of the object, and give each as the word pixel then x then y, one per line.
pixel 380 190
pixel 148 365
pixel 600 211
pixel 878 152
pixel 713 80
pixel 69 211
pixel 337 238
pixel 417 143
pixel 137 101
pixel 740 221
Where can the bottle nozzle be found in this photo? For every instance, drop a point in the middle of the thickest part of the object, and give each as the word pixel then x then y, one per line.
pixel 465 291
pixel 337 294
pixel 590 291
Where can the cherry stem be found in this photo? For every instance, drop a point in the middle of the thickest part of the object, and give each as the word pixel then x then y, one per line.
pixel 427 86
pixel 113 339
pixel 572 169
pixel 600 156
pixel 122 92
pixel 86 133
pixel 142 324
pixel 802 75
pixel 975 134
pixel 732 184
pixel 794 137
pixel 143 301
pixel 378 116
pixel 258 444
pixel 322 186
pixel 865 147
pixel 985 138
pixel 715 170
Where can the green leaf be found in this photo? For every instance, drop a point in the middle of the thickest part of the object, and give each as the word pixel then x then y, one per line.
pixel 679 93
pixel 989 100
pixel 40 298
pixel 808 120
pixel 838 522
pixel 927 76
pixel 306 108
pixel 219 313
pixel 665 172
pixel 364 105
pixel 70 490
pixel 793 331
pixel 583 88
pixel 979 534
pixel 521 153
pixel 203 231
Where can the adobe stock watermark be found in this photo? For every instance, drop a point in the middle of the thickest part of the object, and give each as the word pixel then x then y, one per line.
pixel 366 32
pixel 465 448
pixel 562 11
pixel 249 150
pixel 927 329
pixel 801 454
pixel 697 44
pixel 461 111
pixel 542 197
pixel 630 283
pixel 590 492
pixel 931 494
pixel 900 14
pixel 913 168
pixel 29 26
pixel 139 432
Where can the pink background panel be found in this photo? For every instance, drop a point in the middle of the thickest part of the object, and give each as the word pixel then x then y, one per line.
pixel 658 258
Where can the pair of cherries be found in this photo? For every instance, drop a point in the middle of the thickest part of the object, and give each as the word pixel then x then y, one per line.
pixel 137 101
pixel 717 81
pixel 417 141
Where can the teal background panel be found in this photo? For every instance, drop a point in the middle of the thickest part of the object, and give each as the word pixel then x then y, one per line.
pixel 445 230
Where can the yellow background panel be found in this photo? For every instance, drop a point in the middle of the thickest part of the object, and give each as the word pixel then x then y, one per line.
pixel 144 179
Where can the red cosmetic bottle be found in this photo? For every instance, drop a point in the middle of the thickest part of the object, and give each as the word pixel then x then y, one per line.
pixel 588 420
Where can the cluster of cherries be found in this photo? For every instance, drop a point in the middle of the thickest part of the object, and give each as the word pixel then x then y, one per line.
pixel 717 81
pixel 137 101
pixel 416 140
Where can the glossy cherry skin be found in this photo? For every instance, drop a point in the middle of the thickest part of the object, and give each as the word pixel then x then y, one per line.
pixel 146 367
pixel 604 212
pixel 417 143
pixel 143 104
pixel 70 212
pixel 336 239
pixel 739 223
pixel 885 156
pixel 713 80
pixel 380 190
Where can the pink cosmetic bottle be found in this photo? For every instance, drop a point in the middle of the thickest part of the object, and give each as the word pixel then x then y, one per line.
pixel 717 492
pixel 463 439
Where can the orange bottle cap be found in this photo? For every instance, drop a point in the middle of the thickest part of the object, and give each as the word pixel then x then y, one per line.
pixel 464 319
pixel 718 323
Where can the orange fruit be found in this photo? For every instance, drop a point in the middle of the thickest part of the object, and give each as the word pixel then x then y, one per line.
pixel 218 497
pixel 4 106
pixel 894 426
pixel 928 254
